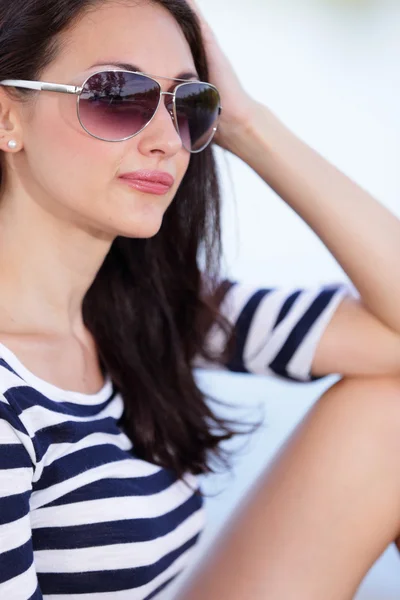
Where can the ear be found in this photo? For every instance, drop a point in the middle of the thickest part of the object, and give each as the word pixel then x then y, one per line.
pixel 10 122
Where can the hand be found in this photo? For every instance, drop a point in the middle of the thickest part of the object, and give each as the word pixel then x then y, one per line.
pixel 237 105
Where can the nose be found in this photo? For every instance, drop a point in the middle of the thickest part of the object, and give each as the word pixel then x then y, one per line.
pixel 161 135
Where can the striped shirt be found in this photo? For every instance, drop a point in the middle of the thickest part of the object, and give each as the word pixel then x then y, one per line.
pixel 81 516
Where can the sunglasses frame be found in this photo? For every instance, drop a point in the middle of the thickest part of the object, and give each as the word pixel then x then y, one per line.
pixel 44 86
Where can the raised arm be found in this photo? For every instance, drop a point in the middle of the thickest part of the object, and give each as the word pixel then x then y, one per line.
pixel 363 337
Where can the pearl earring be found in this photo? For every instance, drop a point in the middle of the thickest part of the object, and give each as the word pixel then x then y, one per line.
pixel 12 144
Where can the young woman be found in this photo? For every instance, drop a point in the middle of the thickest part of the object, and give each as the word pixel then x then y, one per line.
pixel 109 196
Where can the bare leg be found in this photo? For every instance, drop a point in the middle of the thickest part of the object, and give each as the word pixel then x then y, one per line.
pixel 324 511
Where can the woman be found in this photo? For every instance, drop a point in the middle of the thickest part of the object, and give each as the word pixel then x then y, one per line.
pixel 108 195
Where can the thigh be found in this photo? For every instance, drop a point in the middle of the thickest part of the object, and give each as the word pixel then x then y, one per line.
pixel 323 512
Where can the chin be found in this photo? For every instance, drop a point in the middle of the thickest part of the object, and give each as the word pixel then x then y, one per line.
pixel 142 220
pixel 144 230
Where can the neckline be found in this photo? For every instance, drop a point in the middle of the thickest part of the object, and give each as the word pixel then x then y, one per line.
pixel 49 389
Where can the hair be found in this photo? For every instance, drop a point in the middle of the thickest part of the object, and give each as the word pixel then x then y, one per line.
pixel 150 306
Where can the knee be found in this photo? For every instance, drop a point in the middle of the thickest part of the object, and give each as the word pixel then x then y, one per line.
pixel 367 389
pixel 370 404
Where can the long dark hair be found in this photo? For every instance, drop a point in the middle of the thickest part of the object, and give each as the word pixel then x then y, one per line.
pixel 151 305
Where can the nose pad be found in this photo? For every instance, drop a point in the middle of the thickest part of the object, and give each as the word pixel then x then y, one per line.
pixel 169 103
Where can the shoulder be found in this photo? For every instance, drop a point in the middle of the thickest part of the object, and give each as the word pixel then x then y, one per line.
pixel 13 427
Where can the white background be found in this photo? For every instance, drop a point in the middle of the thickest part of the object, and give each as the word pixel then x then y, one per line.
pixel 330 71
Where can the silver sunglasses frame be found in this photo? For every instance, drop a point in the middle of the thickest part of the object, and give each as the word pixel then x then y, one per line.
pixel 44 86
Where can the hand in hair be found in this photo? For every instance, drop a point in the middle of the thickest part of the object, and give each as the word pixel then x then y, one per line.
pixel 236 102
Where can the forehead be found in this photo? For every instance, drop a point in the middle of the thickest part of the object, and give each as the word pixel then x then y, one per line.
pixel 144 34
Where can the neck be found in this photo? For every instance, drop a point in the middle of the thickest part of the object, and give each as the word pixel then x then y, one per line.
pixel 47 265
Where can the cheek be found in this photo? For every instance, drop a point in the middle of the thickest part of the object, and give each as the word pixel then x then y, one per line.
pixel 65 162
pixel 182 165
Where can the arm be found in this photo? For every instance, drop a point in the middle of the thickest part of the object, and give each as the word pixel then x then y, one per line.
pixel 360 233
pixel 276 330
pixel 18 578
pixel 364 335
pixel 302 334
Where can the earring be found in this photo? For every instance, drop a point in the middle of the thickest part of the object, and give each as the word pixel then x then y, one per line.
pixel 12 144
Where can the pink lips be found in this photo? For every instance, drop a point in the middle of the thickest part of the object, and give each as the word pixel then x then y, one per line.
pixel 151 182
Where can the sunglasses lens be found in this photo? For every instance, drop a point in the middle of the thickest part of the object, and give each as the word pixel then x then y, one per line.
pixel 197 111
pixel 114 105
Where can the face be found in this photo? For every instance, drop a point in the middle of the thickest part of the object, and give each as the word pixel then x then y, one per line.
pixel 76 177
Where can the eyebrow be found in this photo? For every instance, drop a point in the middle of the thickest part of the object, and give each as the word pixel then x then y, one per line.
pixel 130 67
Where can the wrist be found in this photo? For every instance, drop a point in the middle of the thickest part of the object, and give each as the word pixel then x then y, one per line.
pixel 250 132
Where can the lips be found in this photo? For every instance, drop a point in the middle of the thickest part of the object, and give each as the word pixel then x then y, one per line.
pixel 150 177
pixel 157 183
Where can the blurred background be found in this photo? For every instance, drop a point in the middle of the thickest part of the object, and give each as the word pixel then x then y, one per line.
pixel 330 70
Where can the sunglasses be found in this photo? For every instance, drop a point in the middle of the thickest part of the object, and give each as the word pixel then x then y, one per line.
pixel 116 105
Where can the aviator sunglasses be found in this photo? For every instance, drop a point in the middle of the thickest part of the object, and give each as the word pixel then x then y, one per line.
pixel 115 105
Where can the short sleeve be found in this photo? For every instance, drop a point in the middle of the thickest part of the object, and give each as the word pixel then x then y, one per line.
pixel 18 579
pixel 277 330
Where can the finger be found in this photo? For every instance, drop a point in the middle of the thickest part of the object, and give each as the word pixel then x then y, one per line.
pixel 196 9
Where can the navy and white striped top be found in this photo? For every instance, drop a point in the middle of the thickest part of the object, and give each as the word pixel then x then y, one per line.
pixel 80 515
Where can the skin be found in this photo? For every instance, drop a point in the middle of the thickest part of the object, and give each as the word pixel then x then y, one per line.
pixel 64 201
pixel 323 512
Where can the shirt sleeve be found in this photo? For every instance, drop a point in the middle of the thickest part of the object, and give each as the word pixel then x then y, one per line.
pixel 277 330
pixel 18 579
